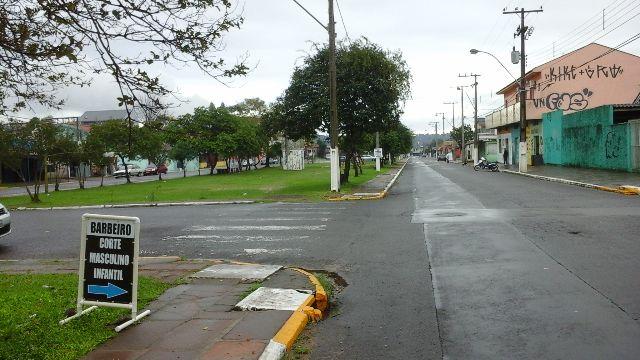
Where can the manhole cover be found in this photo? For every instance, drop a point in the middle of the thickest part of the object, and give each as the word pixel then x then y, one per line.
pixel 450 214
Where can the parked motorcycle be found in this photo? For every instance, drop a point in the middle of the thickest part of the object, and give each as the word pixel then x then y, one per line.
pixel 485 165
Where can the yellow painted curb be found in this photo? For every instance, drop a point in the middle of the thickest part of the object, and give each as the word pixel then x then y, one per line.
pixel 322 300
pixel 290 331
pixel 292 328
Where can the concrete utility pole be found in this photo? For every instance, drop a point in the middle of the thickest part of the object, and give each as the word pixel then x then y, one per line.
pixel 333 109
pixel 522 31
pixel 453 120
pixel 377 146
pixel 436 125
pixel 464 151
pixel 475 115
pixel 442 127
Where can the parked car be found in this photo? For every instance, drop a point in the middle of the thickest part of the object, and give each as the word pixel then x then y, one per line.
pixel 442 157
pixel 134 170
pixel 154 170
pixel 5 221
pixel 368 158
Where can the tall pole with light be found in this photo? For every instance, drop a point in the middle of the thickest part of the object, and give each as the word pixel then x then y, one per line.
pixel 464 150
pixel 443 114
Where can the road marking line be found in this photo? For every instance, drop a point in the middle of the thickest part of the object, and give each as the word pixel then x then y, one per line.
pixel 278 219
pixel 235 238
pixel 258 228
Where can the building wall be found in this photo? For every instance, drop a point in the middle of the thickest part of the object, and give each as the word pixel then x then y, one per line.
pixel 552 135
pixel 572 83
pixel 588 139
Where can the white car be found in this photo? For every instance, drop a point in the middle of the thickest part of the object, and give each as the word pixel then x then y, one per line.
pixel 5 221
pixel 134 170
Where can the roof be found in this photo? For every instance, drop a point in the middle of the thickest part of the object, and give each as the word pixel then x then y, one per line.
pixel 102 115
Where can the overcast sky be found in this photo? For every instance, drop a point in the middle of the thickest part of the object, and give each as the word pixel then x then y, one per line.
pixel 434 37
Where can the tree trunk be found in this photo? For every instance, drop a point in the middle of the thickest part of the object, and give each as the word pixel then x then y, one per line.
pixel 57 178
pixel 126 170
pixel 355 165
pixel 344 178
pixel 267 160
pixel 184 169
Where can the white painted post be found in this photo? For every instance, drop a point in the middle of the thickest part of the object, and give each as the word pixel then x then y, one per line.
pixel 335 169
pixel 522 162
pixel 377 164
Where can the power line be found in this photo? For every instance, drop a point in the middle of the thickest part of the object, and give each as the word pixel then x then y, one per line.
pixel 577 30
pixel 591 35
pixel 344 26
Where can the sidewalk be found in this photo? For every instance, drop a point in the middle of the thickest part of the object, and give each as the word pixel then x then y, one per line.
pixel 198 319
pixel 375 188
pixel 580 176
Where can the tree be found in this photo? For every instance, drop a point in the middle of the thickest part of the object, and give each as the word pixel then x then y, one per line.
pixel 181 152
pixel 252 107
pixel 95 150
pixel 114 134
pixel 32 141
pixel 373 85
pixel 397 141
pixel 152 143
pixel 48 45
pixel 456 135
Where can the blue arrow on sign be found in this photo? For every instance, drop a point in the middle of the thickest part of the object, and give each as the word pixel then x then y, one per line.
pixel 110 290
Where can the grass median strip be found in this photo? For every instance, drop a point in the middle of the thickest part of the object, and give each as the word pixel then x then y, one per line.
pixel 268 184
pixel 32 304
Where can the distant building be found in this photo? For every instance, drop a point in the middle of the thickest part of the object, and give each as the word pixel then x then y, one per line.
pixel 89 118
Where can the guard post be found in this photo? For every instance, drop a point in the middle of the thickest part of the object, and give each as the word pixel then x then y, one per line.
pixel 108 268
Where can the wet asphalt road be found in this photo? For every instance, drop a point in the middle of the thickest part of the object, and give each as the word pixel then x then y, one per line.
pixel 522 268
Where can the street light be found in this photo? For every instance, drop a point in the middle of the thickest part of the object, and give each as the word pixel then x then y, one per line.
pixel 476 51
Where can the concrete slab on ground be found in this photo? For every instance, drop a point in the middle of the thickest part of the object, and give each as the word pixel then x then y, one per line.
pixel 237 271
pixel 265 298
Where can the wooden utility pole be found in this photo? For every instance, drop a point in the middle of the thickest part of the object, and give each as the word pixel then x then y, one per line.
pixel 333 107
pixel 522 31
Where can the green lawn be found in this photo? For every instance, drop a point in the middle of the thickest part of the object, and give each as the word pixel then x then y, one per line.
pixel 268 184
pixel 31 306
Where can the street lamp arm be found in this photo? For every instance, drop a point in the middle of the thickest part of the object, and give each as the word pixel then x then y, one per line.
pixel 314 18
pixel 475 51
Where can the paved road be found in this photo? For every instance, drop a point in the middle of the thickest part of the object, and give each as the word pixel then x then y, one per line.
pixel 521 268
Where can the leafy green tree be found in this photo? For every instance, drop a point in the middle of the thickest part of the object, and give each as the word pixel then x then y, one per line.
pixel 182 151
pixel 456 135
pixel 114 134
pixel 48 45
pixel 153 144
pixel 397 141
pixel 373 85
pixel 252 107
pixel 34 140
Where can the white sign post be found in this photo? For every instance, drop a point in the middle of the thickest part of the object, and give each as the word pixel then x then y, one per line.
pixel 108 269
pixel 377 152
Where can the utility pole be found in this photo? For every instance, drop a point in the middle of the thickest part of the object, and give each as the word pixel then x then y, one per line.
pixel 464 151
pixel 377 146
pixel 475 115
pixel 453 121
pixel 442 127
pixel 333 108
pixel 436 125
pixel 333 113
pixel 522 31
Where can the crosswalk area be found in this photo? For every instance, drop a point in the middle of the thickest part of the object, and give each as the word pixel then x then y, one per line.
pixel 258 232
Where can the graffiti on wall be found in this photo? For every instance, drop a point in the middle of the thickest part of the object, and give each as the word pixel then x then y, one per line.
pixel 612 145
pixel 565 101
pixel 567 73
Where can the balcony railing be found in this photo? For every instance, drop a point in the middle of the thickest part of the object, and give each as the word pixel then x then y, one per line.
pixel 506 116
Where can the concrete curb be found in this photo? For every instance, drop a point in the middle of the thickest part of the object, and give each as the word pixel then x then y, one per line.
pixel 625 189
pixel 285 337
pixel 371 196
pixel 136 205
